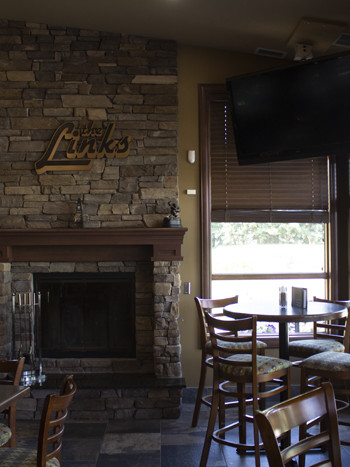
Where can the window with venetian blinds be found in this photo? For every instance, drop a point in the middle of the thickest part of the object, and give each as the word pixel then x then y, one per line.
pixel 288 191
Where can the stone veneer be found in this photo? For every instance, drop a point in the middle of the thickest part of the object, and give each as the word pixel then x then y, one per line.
pixel 51 75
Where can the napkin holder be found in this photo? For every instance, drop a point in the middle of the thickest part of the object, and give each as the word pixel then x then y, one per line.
pixel 299 297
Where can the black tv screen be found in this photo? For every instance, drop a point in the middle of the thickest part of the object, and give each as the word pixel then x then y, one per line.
pixel 302 110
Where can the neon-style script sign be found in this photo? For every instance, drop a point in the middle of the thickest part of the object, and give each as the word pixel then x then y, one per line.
pixel 83 145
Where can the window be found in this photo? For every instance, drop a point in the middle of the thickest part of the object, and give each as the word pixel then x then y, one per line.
pixel 267 224
pixel 254 259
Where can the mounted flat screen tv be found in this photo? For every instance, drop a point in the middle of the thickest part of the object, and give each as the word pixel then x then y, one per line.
pixel 294 112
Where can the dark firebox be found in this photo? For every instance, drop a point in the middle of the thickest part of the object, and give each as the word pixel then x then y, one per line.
pixel 87 315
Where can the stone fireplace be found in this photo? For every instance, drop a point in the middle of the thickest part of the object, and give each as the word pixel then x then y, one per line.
pixel 53 77
pixel 155 259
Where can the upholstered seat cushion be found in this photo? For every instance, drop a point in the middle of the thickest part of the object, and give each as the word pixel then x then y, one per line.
pixel 307 347
pixel 5 434
pixel 265 365
pixel 328 361
pixel 236 346
pixel 20 457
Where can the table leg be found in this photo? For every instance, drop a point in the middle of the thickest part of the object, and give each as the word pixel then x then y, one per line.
pixel 284 340
pixel 284 353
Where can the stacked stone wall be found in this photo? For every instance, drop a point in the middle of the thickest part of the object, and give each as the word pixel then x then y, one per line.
pixel 51 75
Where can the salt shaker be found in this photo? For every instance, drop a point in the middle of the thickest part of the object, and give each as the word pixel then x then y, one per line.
pixel 283 296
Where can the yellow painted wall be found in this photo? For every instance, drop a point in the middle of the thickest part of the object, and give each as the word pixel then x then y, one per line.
pixel 198 66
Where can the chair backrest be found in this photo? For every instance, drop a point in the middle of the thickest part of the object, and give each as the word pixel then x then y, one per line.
pixel 54 414
pixel 210 305
pixel 13 370
pixel 278 420
pixel 225 331
pixel 338 329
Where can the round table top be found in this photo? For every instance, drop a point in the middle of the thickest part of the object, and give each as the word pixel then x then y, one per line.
pixel 273 312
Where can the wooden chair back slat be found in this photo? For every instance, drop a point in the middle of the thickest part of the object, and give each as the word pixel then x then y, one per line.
pixel 312 406
pixel 334 329
pixel 232 327
pixel 54 414
pixel 210 305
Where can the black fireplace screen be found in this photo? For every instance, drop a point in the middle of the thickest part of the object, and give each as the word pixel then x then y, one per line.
pixel 87 315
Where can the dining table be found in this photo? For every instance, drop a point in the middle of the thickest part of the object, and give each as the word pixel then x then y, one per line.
pixel 11 394
pixel 283 315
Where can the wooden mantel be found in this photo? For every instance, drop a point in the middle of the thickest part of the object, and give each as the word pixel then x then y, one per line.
pixel 121 244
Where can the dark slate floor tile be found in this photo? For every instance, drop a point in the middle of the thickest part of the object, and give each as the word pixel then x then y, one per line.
pixel 82 449
pixel 189 456
pixel 79 464
pixel 84 429
pixel 133 426
pixel 130 460
pixel 148 443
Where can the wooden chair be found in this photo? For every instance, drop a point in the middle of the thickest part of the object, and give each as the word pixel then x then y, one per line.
pixel 239 375
pixel 213 306
pixel 12 369
pixel 48 453
pixel 327 336
pixel 277 421
pixel 333 367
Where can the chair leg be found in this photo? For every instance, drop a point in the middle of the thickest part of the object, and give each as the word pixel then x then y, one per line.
pixel 242 412
pixel 12 424
pixel 200 390
pixel 211 426
pixel 303 381
pixel 256 431
pixel 262 401
pixel 221 411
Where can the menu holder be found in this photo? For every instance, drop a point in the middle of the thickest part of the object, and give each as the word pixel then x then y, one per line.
pixel 299 297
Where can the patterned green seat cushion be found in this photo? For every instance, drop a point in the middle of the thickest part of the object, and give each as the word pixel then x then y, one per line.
pixel 307 347
pixel 20 457
pixel 328 361
pixel 265 365
pixel 5 434
pixel 237 345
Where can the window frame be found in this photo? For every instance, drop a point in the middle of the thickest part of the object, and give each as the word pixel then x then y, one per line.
pixel 339 206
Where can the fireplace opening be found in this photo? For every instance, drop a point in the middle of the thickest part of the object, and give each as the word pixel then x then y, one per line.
pixel 87 315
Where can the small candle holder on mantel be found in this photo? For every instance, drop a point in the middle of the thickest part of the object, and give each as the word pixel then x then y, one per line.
pixel 78 219
pixel 173 220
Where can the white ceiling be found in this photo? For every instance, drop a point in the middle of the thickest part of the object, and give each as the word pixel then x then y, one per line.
pixel 240 25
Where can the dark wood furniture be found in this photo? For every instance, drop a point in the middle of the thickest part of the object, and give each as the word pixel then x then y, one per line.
pixel 333 367
pixel 213 306
pixel 333 334
pixel 12 394
pixel 203 305
pixel 54 414
pixel 272 312
pixel 12 371
pixel 277 421
pixel 239 374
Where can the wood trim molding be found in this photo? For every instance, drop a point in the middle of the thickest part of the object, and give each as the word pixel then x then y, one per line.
pixel 207 93
pixel 142 244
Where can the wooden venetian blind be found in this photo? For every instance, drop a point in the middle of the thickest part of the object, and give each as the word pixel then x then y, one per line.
pixel 288 191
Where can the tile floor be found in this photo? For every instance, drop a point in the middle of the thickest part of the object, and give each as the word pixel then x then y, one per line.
pixel 150 443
